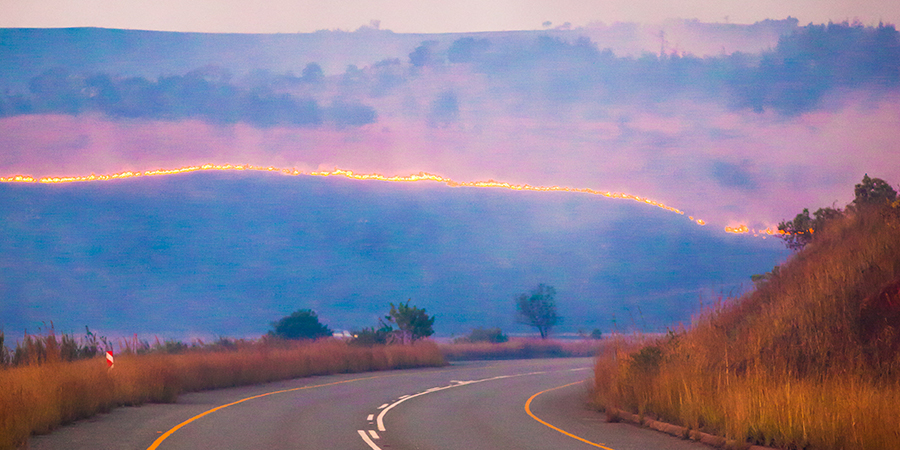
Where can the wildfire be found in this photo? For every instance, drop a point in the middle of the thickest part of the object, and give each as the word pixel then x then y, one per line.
pixel 421 176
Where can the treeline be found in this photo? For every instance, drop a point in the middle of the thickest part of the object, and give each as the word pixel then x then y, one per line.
pixel 205 93
pixel 791 78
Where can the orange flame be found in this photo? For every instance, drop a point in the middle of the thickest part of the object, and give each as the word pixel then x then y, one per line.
pixel 421 176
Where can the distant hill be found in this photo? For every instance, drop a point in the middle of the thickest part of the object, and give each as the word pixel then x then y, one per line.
pixel 27 52
pixel 226 254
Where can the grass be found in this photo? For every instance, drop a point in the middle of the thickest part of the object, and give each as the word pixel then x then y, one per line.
pixel 808 360
pixel 38 397
pixel 520 348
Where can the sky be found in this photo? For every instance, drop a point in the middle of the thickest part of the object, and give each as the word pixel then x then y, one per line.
pixel 419 16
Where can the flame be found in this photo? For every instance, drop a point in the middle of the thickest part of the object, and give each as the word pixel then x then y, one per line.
pixel 421 176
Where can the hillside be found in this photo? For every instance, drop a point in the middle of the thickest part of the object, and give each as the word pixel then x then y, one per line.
pixel 225 254
pixel 809 359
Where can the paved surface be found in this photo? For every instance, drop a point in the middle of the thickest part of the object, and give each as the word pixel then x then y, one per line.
pixel 469 405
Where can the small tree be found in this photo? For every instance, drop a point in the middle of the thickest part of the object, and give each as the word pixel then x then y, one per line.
pixel 301 324
pixel 412 323
pixel 538 309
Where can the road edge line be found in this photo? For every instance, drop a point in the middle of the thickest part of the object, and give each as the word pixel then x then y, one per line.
pixel 528 410
pixel 165 435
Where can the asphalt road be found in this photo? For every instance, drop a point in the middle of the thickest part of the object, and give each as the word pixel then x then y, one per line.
pixel 470 405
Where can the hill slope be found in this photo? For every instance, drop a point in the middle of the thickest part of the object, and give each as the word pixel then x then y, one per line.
pixel 808 360
pixel 225 254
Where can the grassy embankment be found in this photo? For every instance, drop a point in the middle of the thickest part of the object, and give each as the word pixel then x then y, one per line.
pixel 808 360
pixel 38 397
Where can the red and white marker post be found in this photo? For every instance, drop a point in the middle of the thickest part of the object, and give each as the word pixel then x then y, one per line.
pixel 109 359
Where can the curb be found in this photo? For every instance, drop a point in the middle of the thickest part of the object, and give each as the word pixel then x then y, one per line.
pixel 614 414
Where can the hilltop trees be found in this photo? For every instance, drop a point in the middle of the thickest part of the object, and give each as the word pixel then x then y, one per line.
pixel 538 309
pixel 871 192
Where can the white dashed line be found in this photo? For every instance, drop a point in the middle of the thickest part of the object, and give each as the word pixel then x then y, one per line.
pixel 371 417
pixel 365 438
pixel 453 383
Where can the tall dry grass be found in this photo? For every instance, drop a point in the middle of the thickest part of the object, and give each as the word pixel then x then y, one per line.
pixel 809 360
pixel 37 398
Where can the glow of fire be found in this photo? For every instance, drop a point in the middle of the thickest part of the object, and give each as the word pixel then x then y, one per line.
pixel 421 176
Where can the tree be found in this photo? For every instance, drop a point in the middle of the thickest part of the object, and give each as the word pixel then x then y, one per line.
pixel 312 73
pixel 412 323
pixel 803 228
pixel 423 55
pixel 538 309
pixel 873 191
pixel 301 324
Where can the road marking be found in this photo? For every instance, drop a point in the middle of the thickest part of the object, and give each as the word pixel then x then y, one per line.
pixel 453 383
pixel 528 410
pixel 162 438
pixel 374 434
pixel 365 438
pixel 371 417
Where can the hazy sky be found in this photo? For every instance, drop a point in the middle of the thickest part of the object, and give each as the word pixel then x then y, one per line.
pixel 430 16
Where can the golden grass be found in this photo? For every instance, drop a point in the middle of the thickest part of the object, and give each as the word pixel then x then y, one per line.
pixel 518 348
pixel 809 360
pixel 38 398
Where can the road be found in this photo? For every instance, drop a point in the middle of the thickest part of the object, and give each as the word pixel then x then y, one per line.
pixel 469 405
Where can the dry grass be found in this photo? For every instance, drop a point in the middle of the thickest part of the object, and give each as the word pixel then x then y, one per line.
pixel 40 397
pixel 517 348
pixel 809 360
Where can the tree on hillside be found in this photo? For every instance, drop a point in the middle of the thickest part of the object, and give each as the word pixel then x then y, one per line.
pixel 873 191
pixel 412 323
pixel 803 228
pixel 301 324
pixel 538 309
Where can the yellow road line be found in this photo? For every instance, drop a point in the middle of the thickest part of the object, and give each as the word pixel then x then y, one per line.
pixel 528 410
pixel 176 427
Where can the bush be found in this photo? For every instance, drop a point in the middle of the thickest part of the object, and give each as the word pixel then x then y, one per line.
pixel 301 324
pixel 493 335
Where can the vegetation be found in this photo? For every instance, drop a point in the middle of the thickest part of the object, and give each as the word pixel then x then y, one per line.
pixel 371 336
pixel 808 360
pixel 870 193
pixel 538 309
pixel 41 395
pixel 301 324
pixel 792 78
pixel 412 323
pixel 522 348
pixel 492 335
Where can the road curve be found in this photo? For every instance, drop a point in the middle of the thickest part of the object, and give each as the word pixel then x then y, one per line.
pixel 470 405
